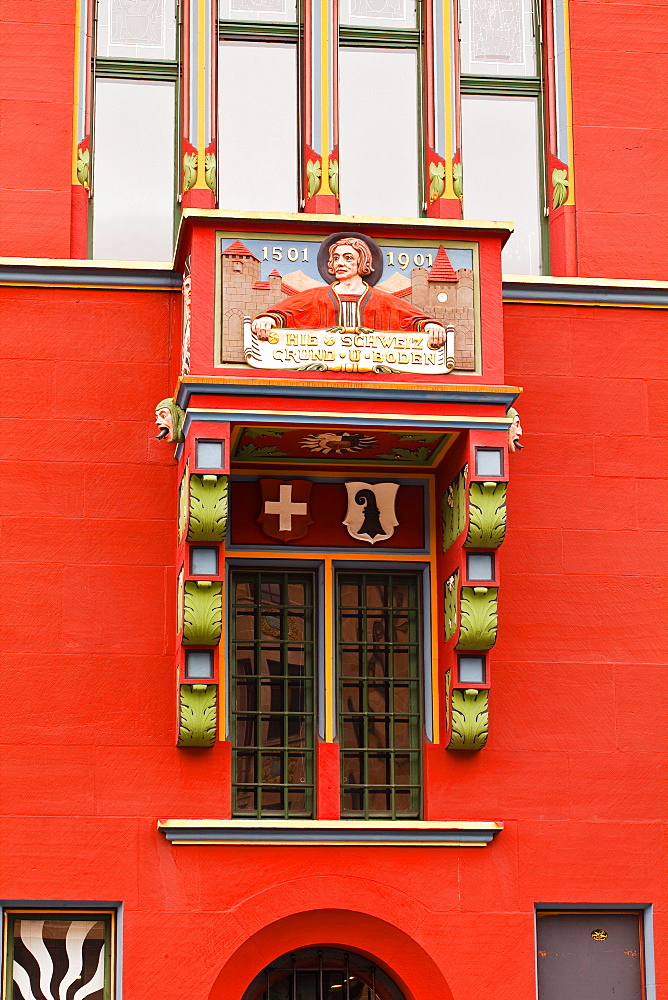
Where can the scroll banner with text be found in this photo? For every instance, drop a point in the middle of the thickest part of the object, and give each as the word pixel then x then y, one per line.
pixel 343 350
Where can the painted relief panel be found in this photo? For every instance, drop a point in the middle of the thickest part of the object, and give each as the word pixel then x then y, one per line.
pixel 338 446
pixel 324 513
pixel 347 303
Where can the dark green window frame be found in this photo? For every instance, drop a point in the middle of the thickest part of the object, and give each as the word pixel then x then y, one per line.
pixel 273 697
pixel 351 36
pixel 380 701
pixel 165 70
pixel 522 86
pixel 106 917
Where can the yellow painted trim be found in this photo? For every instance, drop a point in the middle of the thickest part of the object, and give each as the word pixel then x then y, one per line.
pixel 313 384
pixel 501 423
pixel 77 73
pixel 357 555
pixel 201 90
pixel 330 843
pixel 344 221
pixel 433 588
pixel 570 200
pixel 580 305
pixel 88 263
pixel 330 643
pixel 346 472
pixel 326 83
pixel 222 662
pixel 448 100
pixel 535 279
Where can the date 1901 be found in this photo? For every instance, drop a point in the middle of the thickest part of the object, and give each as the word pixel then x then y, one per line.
pixel 403 259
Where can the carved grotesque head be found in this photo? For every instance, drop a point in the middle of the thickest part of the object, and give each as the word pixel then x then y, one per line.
pixel 169 419
pixel 514 431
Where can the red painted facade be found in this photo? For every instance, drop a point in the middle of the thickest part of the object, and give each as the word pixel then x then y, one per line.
pixel 574 767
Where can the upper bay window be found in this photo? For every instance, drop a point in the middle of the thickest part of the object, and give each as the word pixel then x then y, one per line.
pixel 385 108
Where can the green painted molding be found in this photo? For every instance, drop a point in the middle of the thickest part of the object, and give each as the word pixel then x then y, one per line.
pixel 487 515
pixel 208 508
pixel 202 613
pixel 451 595
pixel 454 508
pixel 470 719
pixel 183 503
pixel 478 618
pixel 198 715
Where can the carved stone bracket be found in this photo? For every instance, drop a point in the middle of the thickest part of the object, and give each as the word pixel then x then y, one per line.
pixel 202 613
pixel 478 618
pixel 469 719
pixel 208 508
pixel 197 715
pixel 487 515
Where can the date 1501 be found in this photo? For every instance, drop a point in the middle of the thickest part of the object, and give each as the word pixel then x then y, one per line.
pixel 403 259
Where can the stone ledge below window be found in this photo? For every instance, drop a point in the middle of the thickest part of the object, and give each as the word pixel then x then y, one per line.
pixel 329 833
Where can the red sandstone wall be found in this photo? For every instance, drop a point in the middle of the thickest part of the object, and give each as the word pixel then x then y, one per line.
pixel 620 90
pixel 574 767
pixel 36 100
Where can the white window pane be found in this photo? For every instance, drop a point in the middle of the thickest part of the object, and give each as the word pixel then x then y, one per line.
pixel 497 37
pixel 257 10
pixel 378 13
pixel 257 145
pixel 501 172
pixel 378 139
pixel 133 170
pixel 136 29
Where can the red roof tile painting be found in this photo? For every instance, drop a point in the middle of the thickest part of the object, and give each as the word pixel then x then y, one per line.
pixel 238 249
pixel 442 269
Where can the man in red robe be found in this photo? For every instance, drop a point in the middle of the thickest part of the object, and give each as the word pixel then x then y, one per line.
pixel 348 302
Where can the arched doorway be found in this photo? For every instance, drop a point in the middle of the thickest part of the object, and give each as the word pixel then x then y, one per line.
pixel 323 974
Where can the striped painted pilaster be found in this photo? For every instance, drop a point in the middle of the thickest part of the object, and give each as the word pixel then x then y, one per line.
pixel 442 164
pixel 320 123
pixel 200 64
pixel 81 152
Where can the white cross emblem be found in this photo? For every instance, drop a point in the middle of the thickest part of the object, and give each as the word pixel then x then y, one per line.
pixel 285 508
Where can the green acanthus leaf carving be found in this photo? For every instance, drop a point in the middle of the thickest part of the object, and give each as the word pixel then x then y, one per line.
pixel 189 170
pixel 202 613
pixel 470 719
pixel 208 508
pixel 417 457
pixel 334 177
pixel 210 171
pixel 313 176
pixel 262 432
pixel 197 715
pixel 183 503
pixel 454 508
pixel 559 187
pixel 451 595
pixel 458 180
pixel 487 515
pixel 478 620
pixel 437 180
pixel 83 167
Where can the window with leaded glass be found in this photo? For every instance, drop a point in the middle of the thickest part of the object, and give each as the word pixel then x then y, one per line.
pixel 380 694
pixel 58 954
pixel 273 696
